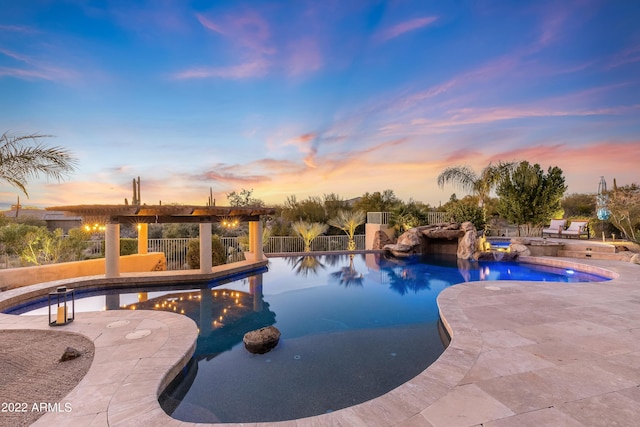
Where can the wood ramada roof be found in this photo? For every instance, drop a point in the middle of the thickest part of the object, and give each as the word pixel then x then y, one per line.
pixel 123 214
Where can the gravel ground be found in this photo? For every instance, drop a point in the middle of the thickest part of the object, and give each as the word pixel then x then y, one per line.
pixel 32 379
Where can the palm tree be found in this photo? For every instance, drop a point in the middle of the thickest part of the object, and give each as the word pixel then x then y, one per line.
pixel 308 231
pixel 348 222
pixel 23 157
pixel 481 185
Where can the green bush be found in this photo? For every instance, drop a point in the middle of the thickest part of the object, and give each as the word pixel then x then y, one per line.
pixel 461 212
pixel 218 252
pixel 127 246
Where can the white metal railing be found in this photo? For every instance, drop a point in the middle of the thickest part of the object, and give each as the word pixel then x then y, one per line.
pixel 436 217
pixel 175 250
pixel 383 217
pixel 378 217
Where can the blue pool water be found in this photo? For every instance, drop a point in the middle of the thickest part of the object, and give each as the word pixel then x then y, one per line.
pixel 353 328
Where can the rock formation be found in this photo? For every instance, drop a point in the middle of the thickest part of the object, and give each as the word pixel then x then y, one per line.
pixel 468 242
pixel 419 239
pixel 380 239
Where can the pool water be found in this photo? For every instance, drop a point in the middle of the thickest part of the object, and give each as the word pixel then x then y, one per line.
pixel 353 328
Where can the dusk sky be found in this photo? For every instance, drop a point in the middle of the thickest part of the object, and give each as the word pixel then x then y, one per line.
pixel 306 97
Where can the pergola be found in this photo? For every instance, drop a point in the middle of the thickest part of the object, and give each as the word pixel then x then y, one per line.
pixel 142 215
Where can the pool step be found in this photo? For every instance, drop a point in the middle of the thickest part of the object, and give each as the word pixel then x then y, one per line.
pixel 590 247
pixel 590 254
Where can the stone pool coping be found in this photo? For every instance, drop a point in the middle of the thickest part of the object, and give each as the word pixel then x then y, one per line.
pixel 522 353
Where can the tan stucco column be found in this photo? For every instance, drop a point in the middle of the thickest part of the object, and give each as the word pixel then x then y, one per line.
pixel 255 240
pixel 205 247
pixel 112 250
pixel 143 238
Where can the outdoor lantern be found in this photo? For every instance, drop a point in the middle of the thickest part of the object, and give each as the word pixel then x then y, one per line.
pixel 63 303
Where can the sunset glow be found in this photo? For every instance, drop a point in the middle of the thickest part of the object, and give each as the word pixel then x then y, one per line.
pixel 308 98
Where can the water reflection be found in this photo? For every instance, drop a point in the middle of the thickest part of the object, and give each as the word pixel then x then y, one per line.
pixel 223 316
pixel 305 265
pixel 348 276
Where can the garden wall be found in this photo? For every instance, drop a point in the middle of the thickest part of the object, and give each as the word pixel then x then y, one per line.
pixel 24 276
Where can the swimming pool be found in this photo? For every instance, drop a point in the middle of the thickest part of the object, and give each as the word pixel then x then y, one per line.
pixel 353 328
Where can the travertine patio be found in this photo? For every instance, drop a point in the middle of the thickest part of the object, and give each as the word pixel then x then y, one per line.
pixel 522 354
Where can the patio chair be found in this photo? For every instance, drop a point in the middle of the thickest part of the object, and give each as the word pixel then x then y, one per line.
pixel 556 227
pixel 578 229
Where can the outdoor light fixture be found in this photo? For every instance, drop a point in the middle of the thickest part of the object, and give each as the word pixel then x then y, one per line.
pixel 229 222
pixel 95 228
pixel 63 300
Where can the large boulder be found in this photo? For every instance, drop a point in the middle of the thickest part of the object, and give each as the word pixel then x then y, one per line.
pixel 519 249
pixel 467 243
pixel 261 340
pixel 410 237
pixel 399 250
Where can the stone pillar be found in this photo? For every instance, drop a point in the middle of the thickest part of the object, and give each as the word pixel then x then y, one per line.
pixel 206 263
pixel 143 238
pixel 112 250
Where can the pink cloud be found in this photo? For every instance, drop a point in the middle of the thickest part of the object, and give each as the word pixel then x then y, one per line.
pixel 610 156
pixel 627 56
pixel 304 57
pixel 209 25
pixel 405 27
pixel 248 30
pixel 256 68
pixel 37 70
pixel 17 29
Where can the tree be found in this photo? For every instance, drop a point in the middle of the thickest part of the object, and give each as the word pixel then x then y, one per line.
pixel 377 202
pixel 348 222
pixel 461 211
pixel 308 232
pixel 23 157
pixel 579 205
pixel 310 209
pixel 480 185
pixel 530 198
pixel 244 198
pixel 624 204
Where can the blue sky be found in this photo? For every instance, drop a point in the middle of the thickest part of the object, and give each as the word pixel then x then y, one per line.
pixel 315 97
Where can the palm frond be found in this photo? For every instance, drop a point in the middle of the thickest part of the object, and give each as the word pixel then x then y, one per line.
pixel 23 157
pixel 462 176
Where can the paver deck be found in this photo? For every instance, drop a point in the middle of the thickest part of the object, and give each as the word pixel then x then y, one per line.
pixel 522 354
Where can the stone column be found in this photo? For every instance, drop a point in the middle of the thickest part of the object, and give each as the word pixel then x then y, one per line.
pixel 205 248
pixel 143 238
pixel 112 250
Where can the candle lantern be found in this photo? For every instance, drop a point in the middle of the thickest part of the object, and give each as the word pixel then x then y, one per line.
pixel 62 301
